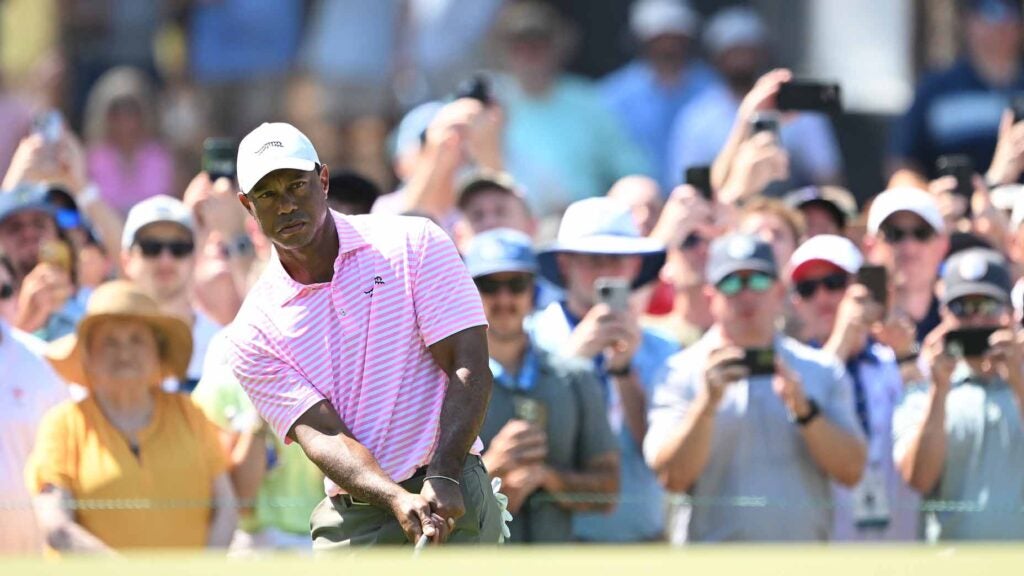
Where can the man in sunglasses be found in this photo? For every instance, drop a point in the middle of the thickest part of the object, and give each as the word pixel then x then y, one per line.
pixel 546 433
pixel 838 315
pixel 958 436
pixel 158 254
pixel 749 413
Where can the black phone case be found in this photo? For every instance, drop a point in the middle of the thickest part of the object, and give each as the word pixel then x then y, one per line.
pixel 969 342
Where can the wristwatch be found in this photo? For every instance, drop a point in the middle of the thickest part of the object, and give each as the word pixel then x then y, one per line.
pixel 812 413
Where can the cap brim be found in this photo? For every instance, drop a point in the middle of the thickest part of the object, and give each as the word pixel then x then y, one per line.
pixel 799 268
pixel 32 207
pixel 933 220
pixel 975 289
pixel 246 182
pixel 742 266
pixel 652 252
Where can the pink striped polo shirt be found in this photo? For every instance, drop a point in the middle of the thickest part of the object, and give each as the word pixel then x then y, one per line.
pixel 360 341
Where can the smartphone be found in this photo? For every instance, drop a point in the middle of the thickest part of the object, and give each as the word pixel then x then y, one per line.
pixel 759 361
pixel 961 167
pixel 1017 105
pixel 530 409
pixel 49 125
pixel 477 87
pixel 219 157
pixel 700 178
pixel 809 96
pixel 765 122
pixel 876 280
pixel 612 291
pixel 967 342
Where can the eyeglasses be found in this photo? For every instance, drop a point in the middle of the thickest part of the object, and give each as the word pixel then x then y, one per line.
pixel 6 290
pixel 177 248
pixel 835 282
pixel 516 285
pixel 894 235
pixel 692 240
pixel 757 282
pixel 975 306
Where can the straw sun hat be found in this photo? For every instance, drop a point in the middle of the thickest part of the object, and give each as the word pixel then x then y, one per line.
pixel 121 299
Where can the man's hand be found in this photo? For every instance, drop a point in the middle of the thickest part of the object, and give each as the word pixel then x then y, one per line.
pixel 520 483
pixel 723 368
pixel 604 329
pixel 762 96
pixel 414 515
pixel 444 498
pixel 518 443
pixel 790 390
pixel 1008 160
pixel 44 291
pixel 759 161
pixel 897 332
pixel 857 312
pixel 940 364
pixel 1004 356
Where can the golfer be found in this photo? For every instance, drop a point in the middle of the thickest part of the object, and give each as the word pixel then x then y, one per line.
pixel 364 341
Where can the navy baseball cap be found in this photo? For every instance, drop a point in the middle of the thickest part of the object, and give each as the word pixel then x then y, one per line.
pixel 26 198
pixel 500 250
pixel 739 253
pixel 976 271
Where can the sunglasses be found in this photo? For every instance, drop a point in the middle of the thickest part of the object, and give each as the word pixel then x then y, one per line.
pixel 835 282
pixel 757 282
pixel 6 290
pixel 692 240
pixel 177 248
pixel 975 306
pixel 517 285
pixel 894 235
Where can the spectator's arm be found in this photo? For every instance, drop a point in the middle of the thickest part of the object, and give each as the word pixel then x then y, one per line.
pixel 247 463
pixel 225 513
pixel 686 450
pixel 60 531
pixel 600 476
pixel 634 404
pixel 922 463
pixel 840 454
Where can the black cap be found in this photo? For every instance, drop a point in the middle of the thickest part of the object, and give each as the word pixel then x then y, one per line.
pixel 976 271
pixel 737 253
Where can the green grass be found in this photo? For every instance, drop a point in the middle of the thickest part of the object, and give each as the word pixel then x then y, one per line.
pixel 835 560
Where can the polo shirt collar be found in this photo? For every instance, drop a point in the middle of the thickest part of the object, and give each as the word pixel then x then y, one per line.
pixel 350 239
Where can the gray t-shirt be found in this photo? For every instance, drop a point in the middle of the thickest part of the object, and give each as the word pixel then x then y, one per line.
pixel 577 429
pixel 760 482
pixel 981 491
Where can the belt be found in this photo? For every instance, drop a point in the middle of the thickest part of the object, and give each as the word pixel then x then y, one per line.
pixel 347 499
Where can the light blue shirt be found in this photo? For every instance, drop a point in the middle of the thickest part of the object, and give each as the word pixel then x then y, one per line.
pixel 760 482
pixel 565 146
pixel 237 39
pixel 640 514
pixel 982 479
pixel 646 108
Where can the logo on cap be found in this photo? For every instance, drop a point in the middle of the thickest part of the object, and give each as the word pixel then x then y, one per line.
pixel 271 144
pixel 741 248
pixel 973 267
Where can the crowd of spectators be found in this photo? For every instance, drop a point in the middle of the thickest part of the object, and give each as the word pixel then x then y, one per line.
pixel 758 357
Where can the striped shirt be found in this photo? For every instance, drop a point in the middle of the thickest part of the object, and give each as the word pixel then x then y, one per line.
pixel 361 340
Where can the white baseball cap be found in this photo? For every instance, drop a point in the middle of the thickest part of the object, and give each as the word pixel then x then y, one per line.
pixel 836 250
pixel 273 146
pixel 732 27
pixel 651 18
pixel 904 199
pixel 160 208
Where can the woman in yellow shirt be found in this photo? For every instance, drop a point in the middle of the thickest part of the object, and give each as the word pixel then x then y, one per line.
pixel 130 466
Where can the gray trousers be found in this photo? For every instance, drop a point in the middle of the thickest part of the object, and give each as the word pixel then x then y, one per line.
pixel 338 523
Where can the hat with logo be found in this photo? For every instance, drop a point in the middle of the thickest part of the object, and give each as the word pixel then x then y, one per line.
pixel 835 250
pixel 836 200
pixel 651 18
pixel 976 271
pixel 273 146
pixel 739 253
pixel 733 27
pixel 500 250
pixel 160 208
pixel 601 226
pixel 904 199
pixel 26 198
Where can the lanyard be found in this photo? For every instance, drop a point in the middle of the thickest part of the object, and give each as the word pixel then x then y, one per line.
pixel 522 382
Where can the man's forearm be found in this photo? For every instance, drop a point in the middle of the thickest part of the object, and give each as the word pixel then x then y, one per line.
pixel 462 415
pixel 840 454
pixel 684 455
pixel 570 488
pixel 634 405
pixel 352 467
pixel 921 466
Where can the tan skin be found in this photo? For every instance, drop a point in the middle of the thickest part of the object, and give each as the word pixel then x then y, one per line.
pixel 165 278
pixel 290 207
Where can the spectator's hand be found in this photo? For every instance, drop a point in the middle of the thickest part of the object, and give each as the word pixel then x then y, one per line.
pixel 722 369
pixel 445 499
pixel 625 333
pixel 684 211
pixel 1005 356
pixel 787 386
pixel 485 136
pixel 605 330
pixel 72 166
pixel 413 513
pixel 854 318
pixel 449 136
pixel 940 364
pixel 44 291
pixel 759 161
pixel 518 443
pixel 521 482
pixel 1008 160
pixel 988 222
pixel 897 332
pixel 952 206
pixel 32 162
pixel 762 96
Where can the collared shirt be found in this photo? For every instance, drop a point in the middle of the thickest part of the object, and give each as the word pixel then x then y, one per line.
pixel 981 491
pixel 577 431
pixel 28 389
pixel 361 340
pixel 760 482
pixel 640 514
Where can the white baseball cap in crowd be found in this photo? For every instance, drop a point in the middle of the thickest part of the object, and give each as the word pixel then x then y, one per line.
pixel 836 250
pixel 160 208
pixel 651 18
pixel 732 27
pixel 273 146
pixel 904 199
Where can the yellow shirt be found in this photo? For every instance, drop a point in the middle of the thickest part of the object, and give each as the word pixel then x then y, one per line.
pixel 159 499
